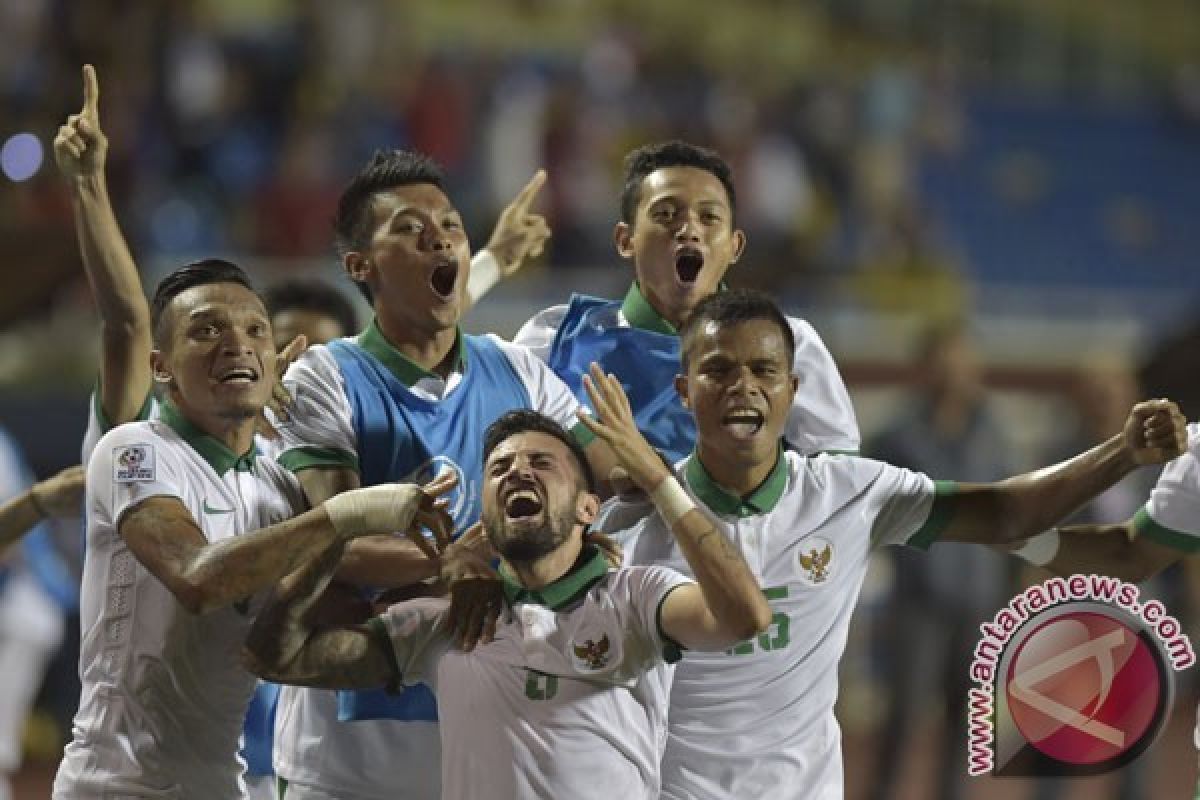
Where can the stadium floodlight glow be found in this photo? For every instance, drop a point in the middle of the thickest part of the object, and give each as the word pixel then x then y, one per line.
pixel 21 157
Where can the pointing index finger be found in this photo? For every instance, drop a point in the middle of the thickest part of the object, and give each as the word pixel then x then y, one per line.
pixel 527 195
pixel 91 92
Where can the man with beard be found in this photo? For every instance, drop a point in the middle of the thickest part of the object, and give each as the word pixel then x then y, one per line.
pixel 186 524
pixel 757 720
pixel 568 699
pixel 407 399
pixel 678 226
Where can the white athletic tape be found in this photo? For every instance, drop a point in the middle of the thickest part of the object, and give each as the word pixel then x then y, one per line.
pixel 375 509
pixel 671 501
pixel 1041 549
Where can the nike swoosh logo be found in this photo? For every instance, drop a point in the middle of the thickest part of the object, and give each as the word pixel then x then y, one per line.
pixel 208 510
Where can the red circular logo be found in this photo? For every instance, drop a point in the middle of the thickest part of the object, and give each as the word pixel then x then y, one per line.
pixel 1084 688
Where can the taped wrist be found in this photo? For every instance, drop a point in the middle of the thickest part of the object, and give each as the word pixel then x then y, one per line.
pixel 1041 549
pixel 671 501
pixel 375 509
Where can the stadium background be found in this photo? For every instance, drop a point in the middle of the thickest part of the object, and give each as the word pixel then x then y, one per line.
pixel 1031 166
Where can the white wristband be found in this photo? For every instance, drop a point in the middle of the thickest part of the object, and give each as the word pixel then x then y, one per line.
pixel 671 501
pixel 375 509
pixel 1041 549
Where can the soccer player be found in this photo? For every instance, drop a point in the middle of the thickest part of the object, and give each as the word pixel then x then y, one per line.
pixel 406 399
pixel 185 526
pixel 678 226
pixel 1163 532
pixel 757 720
pixel 569 699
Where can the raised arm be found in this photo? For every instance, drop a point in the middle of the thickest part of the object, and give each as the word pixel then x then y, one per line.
pixel 1020 507
pixel 726 604
pixel 205 576
pixel 382 561
pixel 80 150
pixel 519 235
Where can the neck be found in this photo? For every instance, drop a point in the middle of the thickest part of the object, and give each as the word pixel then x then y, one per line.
pixel 236 433
pixel 740 478
pixel 542 572
pixel 430 352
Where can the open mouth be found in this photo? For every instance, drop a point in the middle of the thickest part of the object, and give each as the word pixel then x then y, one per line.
pixel 238 376
pixel 522 504
pixel 688 263
pixel 743 423
pixel 445 274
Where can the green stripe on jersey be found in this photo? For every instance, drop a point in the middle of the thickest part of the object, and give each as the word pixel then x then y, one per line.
pixel 378 629
pixel 1145 525
pixel 302 458
pixel 940 514
pixel 582 434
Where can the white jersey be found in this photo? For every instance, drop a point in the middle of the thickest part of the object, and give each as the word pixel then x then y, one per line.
pixel 1171 516
pixel 757 720
pixel 569 701
pixel 164 694
pixel 368 759
pixel 822 417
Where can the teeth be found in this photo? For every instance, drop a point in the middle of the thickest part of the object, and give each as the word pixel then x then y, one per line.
pixel 743 424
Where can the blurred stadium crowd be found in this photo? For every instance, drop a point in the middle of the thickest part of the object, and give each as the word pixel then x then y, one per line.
pixel 1032 171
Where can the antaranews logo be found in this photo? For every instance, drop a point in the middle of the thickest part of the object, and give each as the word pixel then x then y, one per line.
pixel 1074 676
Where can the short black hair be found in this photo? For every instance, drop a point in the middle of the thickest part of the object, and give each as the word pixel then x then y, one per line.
pixel 524 420
pixel 197 273
pixel 731 307
pixel 387 169
pixel 652 157
pixel 316 296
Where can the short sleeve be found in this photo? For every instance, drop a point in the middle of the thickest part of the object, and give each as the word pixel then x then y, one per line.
pixel 648 590
pixel 99 424
pixel 133 463
pixel 912 509
pixel 485 274
pixel 320 431
pixel 538 333
pixel 822 418
pixel 1171 516
pixel 414 630
pixel 547 392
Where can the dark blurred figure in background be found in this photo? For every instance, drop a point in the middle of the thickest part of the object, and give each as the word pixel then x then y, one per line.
pixel 931 624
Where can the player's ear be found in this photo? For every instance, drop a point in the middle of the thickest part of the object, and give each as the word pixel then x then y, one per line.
pixel 587 506
pixel 623 239
pixel 357 265
pixel 681 389
pixel 739 244
pixel 158 367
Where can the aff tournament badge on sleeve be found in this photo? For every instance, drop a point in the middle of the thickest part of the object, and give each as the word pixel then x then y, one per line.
pixel 133 463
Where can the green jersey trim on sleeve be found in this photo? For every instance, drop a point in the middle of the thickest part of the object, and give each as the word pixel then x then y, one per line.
pixel 940 514
pixel 672 650
pixel 377 629
pixel 1145 525
pixel 582 434
pixel 302 458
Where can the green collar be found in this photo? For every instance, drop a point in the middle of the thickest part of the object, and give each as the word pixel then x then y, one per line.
pixel 404 368
pixel 210 448
pixel 641 314
pixel 591 567
pixel 719 499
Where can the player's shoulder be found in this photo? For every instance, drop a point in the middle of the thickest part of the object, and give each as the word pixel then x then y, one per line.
pixel 837 472
pixel 1193 431
pixel 548 319
pixel 316 360
pixel 520 356
pixel 638 583
pixel 149 431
